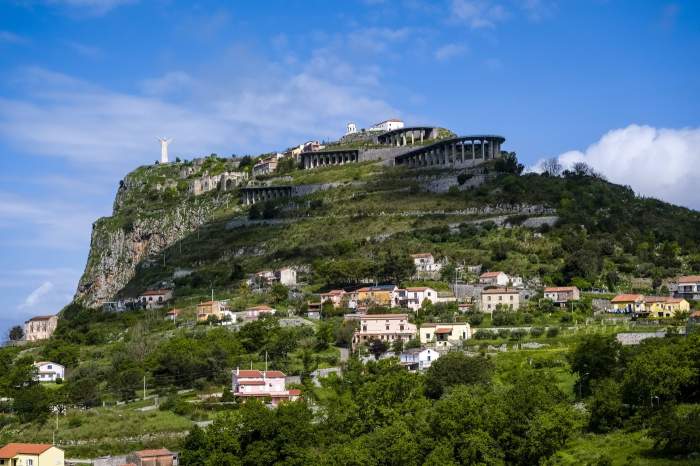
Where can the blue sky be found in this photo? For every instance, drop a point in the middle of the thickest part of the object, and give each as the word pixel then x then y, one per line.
pixel 87 85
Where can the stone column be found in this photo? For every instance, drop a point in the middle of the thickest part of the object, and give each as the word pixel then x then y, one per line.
pixel 483 154
pixel 413 137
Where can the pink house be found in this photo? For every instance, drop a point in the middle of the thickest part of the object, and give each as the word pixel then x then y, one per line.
pixel 255 312
pixel 334 296
pixel 262 385
pixel 386 327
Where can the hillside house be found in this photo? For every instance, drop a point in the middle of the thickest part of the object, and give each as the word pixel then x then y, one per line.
pixel 31 454
pixel 385 327
pixel 413 297
pixel 266 166
pixel 255 312
pixel 173 314
pixel 494 279
pixel 157 457
pixel 210 309
pixel 627 303
pixel 153 299
pixel 40 328
pixel 418 359
pixel 562 294
pixel 48 371
pixel 688 287
pixel 381 296
pixel 442 335
pixel 312 146
pixel 287 276
pixel 262 385
pixel 664 306
pixel 425 264
pixel 336 297
pixel 492 297
pixel 693 324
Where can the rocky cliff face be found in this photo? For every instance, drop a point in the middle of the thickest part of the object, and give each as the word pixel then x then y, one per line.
pixel 151 212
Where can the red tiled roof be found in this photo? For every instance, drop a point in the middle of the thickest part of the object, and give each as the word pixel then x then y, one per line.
pixel 262 307
pixel 274 374
pixel 689 279
pixel 249 373
pixel 422 254
pixel 556 289
pixel 695 314
pixel 333 293
pixel 490 274
pixel 253 382
pixel 500 291
pixel 151 453
pixel 627 298
pixel 13 449
pixel 295 392
pixel 443 330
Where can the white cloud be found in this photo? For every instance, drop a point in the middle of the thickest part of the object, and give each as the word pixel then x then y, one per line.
pixel 477 13
pixel 449 51
pixel 91 7
pixel 656 162
pixel 33 298
pixel 88 51
pixel 60 116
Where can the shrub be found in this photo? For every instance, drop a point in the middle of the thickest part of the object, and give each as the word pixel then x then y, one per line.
pixel 552 332
pixel 518 334
pixel 476 318
pixel 484 335
pixel 503 333
pixel 536 332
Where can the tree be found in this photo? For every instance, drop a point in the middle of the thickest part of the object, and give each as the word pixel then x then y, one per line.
pixel 594 357
pixel 606 407
pixel 396 266
pixel 552 167
pixel 508 163
pixel 456 368
pixel 16 333
pixel 377 348
pixel 32 403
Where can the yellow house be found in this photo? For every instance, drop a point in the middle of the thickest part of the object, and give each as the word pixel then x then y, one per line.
pixel 209 308
pixel 31 454
pixel 383 295
pixel 444 335
pixel 628 303
pixel 665 306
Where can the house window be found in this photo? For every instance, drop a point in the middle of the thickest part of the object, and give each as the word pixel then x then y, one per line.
pixel 500 298
pixel 364 328
pixel 401 327
pixel 49 366
pixel 30 462
pixel 427 336
pixel 511 298
pixel 386 327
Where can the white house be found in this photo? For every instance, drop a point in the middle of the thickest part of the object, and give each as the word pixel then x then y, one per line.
pixel 263 385
pixel 444 335
pixel 494 279
pixel 413 297
pixel 152 299
pixel 425 263
pixel 49 371
pixel 418 359
pixel 388 125
pixel 286 276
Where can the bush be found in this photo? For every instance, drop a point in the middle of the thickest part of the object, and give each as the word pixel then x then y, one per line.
pixel 552 332
pixel 518 334
pixel 536 332
pixel 503 333
pixel 476 318
pixel 484 335
pixel 499 318
pixel 566 318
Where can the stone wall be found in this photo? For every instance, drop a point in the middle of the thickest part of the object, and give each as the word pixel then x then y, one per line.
pixel 385 155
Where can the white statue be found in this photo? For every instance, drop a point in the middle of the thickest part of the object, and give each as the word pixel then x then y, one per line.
pixel 164 149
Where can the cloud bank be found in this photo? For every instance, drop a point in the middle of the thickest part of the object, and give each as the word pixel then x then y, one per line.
pixel 656 162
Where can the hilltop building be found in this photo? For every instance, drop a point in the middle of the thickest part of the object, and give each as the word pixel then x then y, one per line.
pixel 262 385
pixel 413 297
pixel 388 125
pixel 351 129
pixel 40 328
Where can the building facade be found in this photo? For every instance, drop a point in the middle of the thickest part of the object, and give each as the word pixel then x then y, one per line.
pixel 210 308
pixel 48 371
pixel 562 294
pixel 40 328
pixel 156 457
pixel 688 287
pixel 266 166
pixel 268 386
pixel 494 279
pixel 388 125
pixel 492 297
pixel 442 335
pixel 418 359
pixel 384 327
pixel 334 296
pixel 153 299
pixel 31 454
pixel 413 297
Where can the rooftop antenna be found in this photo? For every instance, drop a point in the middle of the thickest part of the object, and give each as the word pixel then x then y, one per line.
pixel 164 149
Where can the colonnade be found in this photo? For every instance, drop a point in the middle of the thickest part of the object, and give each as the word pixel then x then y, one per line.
pixel 454 151
pixel 253 194
pixel 407 136
pixel 324 158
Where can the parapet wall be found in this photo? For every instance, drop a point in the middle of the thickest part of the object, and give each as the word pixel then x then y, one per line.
pixel 385 155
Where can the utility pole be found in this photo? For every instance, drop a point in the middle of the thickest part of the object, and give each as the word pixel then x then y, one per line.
pixel 144 387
